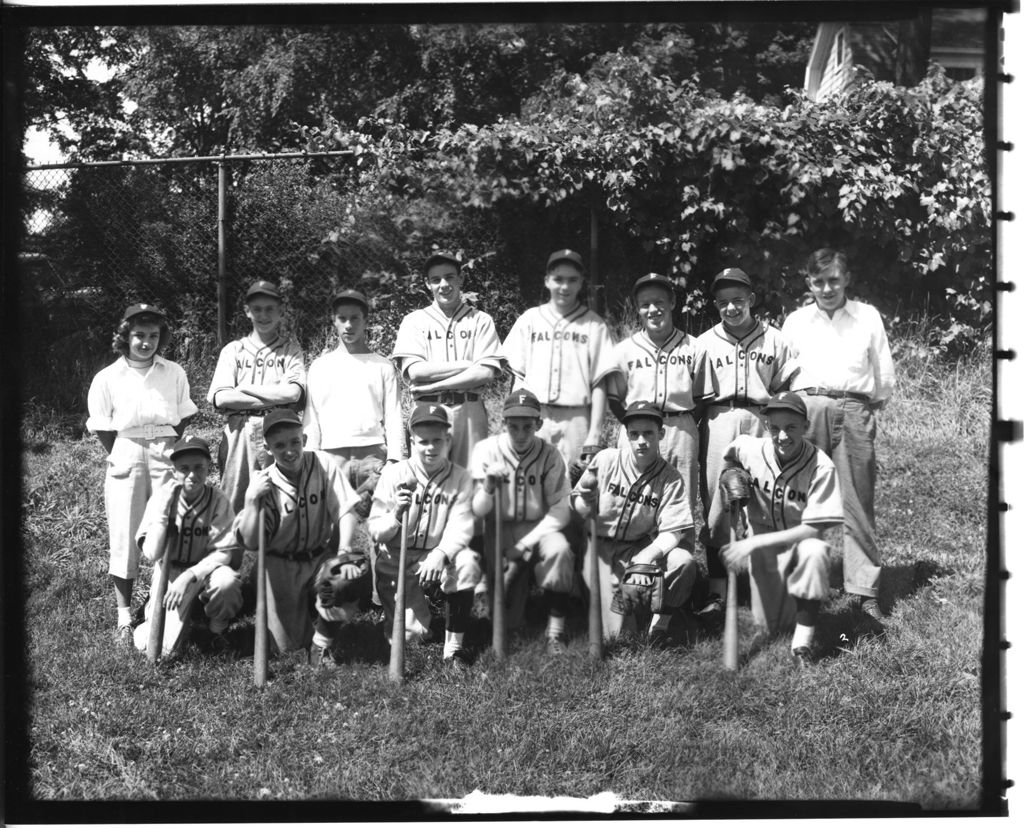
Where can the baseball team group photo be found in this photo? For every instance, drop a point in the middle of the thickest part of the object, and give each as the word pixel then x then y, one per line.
pixel 552 409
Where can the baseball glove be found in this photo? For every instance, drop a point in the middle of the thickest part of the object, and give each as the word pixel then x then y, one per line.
pixel 331 588
pixel 634 594
pixel 735 486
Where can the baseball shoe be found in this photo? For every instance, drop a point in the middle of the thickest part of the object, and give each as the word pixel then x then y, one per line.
pixel 459 660
pixel 873 615
pixel 557 645
pixel 221 644
pixel 712 614
pixel 124 636
pixel 320 657
pixel 659 640
pixel 802 658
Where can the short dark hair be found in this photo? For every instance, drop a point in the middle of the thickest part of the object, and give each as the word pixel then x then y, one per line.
pixel 827 260
pixel 120 343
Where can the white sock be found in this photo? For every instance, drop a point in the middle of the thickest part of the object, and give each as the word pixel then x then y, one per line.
pixel 556 626
pixel 803 636
pixel 322 641
pixel 717 586
pixel 452 643
pixel 124 616
pixel 660 621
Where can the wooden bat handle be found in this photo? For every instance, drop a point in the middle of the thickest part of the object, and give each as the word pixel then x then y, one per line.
pixel 260 652
pixel 396 669
pixel 154 646
pixel 498 608
pixel 730 636
pixel 596 631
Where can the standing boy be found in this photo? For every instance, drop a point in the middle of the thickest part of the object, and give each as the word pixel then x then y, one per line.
pixel 312 568
pixel 644 527
pixel 200 559
pixel 561 352
pixel 748 361
pixel 794 499
pixel 255 375
pixel 534 508
pixel 845 373
pixel 448 352
pixel 667 367
pixel 437 495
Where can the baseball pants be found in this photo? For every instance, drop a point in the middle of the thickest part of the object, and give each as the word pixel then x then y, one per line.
pixel 551 560
pixel 776 581
pixel 566 428
pixel 845 431
pixel 220 593
pixel 681 448
pixel 240 453
pixel 463 573
pixel 136 467
pixel 614 557
pixel 469 426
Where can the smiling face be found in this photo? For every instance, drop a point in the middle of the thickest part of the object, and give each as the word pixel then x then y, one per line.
pixel 191 469
pixel 787 430
pixel 445 284
pixel 143 340
pixel 350 323
pixel 285 444
pixel 564 281
pixel 654 304
pixel 265 313
pixel 828 287
pixel 733 303
pixel 521 431
pixel 644 435
pixel 430 444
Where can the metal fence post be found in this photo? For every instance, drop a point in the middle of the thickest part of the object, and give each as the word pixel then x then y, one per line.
pixel 222 259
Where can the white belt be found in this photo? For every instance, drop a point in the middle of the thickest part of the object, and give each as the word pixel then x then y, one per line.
pixel 148 432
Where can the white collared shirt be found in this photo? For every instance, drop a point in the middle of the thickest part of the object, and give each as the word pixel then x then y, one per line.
pixel 849 352
pixel 121 397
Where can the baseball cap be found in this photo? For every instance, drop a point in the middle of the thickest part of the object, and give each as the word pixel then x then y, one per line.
pixel 566 255
pixel 264 287
pixel 654 279
pixel 643 408
pixel 429 414
pixel 786 401
pixel 190 442
pixel 440 257
pixel 521 404
pixel 350 296
pixel 135 310
pixel 732 275
pixel 280 417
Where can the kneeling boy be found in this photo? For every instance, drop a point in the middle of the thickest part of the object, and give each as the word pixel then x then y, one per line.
pixel 437 495
pixel 199 560
pixel 312 569
pixel 794 499
pixel 534 508
pixel 644 526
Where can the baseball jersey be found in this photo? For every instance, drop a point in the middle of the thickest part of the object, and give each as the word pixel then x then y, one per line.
pixel 637 505
pixel 537 481
pixel 304 516
pixel 204 526
pixel 673 376
pixel 440 516
pixel 805 490
pixel 560 359
pixel 747 371
pixel 248 360
pixel 429 335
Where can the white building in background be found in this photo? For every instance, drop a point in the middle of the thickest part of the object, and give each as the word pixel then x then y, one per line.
pixel 898 51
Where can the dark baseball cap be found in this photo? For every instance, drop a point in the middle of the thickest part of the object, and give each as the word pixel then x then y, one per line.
pixel 280 417
pixel 643 408
pixel 656 280
pixel 731 275
pixel 353 296
pixel 441 257
pixel 190 442
pixel 135 310
pixel 521 404
pixel 786 401
pixel 429 414
pixel 566 255
pixel 264 287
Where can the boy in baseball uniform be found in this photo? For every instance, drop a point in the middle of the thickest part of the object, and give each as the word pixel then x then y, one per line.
pixel 309 529
pixel 254 376
pixel 748 362
pixel 845 373
pixel 794 499
pixel 199 564
pixel 643 518
pixel 535 510
pixel 561 352
pixel 138 406
pixel 437 496
pixel 667 367
pixel 448 352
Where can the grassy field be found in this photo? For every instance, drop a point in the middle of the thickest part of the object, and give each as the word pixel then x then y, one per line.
pixel 896 719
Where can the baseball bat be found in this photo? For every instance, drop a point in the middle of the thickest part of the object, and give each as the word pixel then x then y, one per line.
pixel 154 646
pixel 730 636
pixel 396 668
pixel 596 631
pixel 259 660
pixel 498 609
